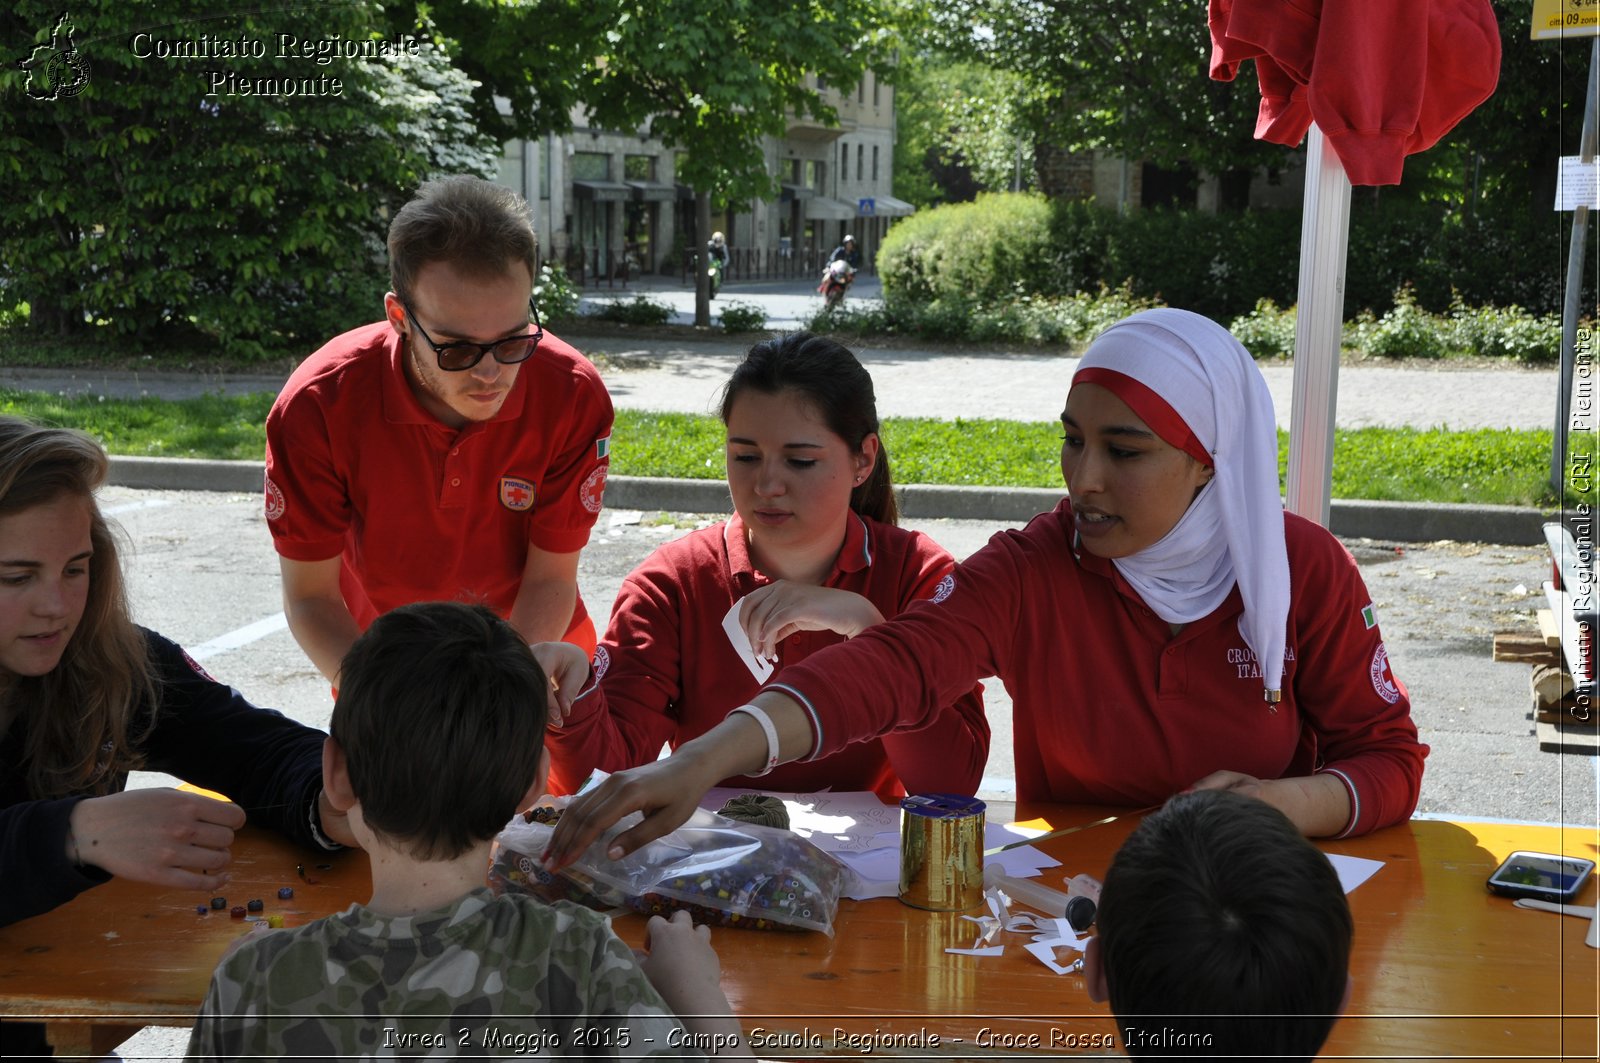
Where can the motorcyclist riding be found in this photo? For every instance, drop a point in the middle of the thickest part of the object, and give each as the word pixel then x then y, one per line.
pixel 848 251
pixel 839 272
pixel 717 260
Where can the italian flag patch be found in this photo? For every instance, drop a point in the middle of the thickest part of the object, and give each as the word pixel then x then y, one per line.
pixel 602 448
pixel 1369 617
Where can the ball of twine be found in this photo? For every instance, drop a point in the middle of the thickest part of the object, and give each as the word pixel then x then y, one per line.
pixel 757 808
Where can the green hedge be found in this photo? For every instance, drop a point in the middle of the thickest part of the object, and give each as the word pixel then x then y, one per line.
pixel 1007 245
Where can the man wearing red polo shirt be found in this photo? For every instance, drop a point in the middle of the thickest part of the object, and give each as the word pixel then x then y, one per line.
pixel 452 451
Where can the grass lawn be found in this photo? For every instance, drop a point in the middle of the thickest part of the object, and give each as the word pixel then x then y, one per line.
pixel 1495 466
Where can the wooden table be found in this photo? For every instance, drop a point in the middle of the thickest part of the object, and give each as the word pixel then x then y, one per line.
pixel 1441 967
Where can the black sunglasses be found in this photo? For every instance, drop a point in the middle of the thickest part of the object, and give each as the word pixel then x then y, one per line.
pixel 463 354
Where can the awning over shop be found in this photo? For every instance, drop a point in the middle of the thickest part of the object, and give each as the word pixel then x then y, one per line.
pixel 651 191
pixel 601 191
pixel 890 207
pixel 821 207
pixel 792 191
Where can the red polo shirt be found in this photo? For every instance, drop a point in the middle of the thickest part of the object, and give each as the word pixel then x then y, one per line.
pixel 666 672
pixel 1108 705
pixel 420 511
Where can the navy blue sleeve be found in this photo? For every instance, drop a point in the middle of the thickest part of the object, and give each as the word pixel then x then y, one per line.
pixel 207 734
pixel 36 875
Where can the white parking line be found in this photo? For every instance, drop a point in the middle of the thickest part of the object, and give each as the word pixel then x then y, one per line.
pixel 129 507
pixel 243 636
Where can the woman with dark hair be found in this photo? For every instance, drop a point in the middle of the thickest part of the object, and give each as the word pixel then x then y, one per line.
pixel 812 556
pixel 1166 627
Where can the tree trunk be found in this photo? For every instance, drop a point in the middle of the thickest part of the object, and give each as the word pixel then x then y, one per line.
pixel 702 283
pixel 1233 188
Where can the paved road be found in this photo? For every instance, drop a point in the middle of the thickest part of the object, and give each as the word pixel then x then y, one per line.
pixel 1028 385
pixel 686 374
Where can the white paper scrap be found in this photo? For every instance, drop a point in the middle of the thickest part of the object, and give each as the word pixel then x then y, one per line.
pixel 1045 953
pixel 759 667
pixel 1022 862
pixel 993 950
pixel 1353 870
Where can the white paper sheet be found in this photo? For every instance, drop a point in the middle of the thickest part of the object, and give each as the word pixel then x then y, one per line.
pixel 759 667
pixel 1353 870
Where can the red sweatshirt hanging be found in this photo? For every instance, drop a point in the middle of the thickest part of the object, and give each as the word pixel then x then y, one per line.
pixel 1382 79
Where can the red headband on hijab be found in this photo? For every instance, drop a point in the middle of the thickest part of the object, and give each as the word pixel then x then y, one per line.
pixel 1151 408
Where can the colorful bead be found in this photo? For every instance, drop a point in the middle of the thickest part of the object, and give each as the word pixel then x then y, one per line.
pixel 237 911
pixel 275 921
pixel 255 905
pixel 286 893
pixel 219 903
pixel 202 909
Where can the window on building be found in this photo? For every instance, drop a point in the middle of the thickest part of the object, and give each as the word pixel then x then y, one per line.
pixel 844 162
pixel 639 168
pixel 874 90
pixel 590 166
pixel 860 157
pixel 874 162
pixel 814 170
pixel 861 89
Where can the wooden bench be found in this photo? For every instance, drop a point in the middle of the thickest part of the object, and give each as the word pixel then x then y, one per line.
pixel 1566 711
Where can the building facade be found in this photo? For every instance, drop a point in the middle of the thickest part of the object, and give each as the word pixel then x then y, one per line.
pixel 608 204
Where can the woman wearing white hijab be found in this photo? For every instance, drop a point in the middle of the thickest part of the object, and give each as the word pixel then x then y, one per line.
pixel 1167 627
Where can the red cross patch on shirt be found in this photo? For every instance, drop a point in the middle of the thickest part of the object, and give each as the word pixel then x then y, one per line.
pixel 516 494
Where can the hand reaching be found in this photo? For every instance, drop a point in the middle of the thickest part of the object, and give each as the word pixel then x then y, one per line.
pixel 568 671
pixel 162 836
pixel 682 965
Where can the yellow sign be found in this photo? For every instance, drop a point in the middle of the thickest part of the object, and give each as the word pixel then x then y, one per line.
pixel 1555 19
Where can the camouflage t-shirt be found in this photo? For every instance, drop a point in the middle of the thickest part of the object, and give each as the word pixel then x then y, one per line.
pixel 487 976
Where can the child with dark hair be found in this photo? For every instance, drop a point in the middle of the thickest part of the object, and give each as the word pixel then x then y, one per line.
pixel 437 740
pixel 1222 932
pixel 812 556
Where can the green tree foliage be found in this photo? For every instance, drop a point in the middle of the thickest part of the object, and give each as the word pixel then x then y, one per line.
pixel 1128 76
pixel 534 54
pixel 170 208
pixel 1003 247
pixel 1504 154
pixel 958 128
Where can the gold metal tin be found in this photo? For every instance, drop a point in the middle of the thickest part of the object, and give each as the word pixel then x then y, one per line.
pixel 941 852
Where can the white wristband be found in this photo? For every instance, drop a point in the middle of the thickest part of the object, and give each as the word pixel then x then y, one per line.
pixel 758 714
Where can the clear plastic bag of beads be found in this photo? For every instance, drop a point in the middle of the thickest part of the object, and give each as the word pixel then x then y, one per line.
pixel 722 872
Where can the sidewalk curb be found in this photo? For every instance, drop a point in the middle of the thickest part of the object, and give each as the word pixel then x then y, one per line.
pixel 1352 518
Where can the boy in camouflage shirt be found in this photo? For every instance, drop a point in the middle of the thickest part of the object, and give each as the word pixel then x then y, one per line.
pixel 437 739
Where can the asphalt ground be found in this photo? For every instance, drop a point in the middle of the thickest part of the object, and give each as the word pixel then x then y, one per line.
pixel 683 370
pixel 202 571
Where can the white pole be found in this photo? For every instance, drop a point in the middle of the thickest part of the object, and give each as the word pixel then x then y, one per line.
pixel 1324 234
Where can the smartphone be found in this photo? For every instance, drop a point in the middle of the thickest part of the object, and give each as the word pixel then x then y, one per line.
pixel 1543 875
